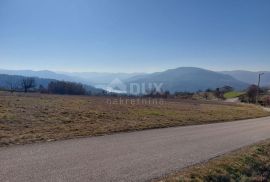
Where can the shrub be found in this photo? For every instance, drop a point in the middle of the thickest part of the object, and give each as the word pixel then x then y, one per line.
pixel 266 101
pixel 62 87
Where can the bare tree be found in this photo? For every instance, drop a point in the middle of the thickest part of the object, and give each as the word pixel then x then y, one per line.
pixel 63 87
pixel 12 84
pixel 252 93
pixel 218 93
pixel 28 83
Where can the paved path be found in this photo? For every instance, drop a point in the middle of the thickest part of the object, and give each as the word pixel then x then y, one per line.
pixel 136 156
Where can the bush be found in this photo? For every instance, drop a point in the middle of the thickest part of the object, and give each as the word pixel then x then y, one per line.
pixel 252 93
pixel 62 87
pixel 266 101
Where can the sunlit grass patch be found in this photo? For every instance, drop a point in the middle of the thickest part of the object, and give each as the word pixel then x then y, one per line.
pixel 233 94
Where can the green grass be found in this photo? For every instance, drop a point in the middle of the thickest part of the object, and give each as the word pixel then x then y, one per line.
pixel 233 94
pixel 248 164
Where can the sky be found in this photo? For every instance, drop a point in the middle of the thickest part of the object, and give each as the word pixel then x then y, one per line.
pixel 134 35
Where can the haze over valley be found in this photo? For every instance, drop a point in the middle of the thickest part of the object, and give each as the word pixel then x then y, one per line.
pixel 182 79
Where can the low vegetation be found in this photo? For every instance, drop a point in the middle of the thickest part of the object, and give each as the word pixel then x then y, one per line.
pixel 15 83
pixel 248 164
pixel 63 87
pixel 232 94
pixel 33 117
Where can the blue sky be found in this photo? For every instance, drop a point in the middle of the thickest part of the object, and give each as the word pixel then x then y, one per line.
pixel 134 35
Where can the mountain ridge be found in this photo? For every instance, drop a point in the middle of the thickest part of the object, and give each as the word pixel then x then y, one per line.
pixel 177 79
pixel 190 79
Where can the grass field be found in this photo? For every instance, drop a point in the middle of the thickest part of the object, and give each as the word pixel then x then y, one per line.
pixel 27 118
pixel 233 94
pixel 248 164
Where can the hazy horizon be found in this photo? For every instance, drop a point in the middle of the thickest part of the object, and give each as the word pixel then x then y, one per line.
pixel 122 72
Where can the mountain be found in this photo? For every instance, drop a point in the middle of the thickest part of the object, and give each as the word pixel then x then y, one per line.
pixel 101 78
pixel 44 74
pixel 8 81
pixel 89 78
pixel 250 77
pixel 180 79
pixel 188 79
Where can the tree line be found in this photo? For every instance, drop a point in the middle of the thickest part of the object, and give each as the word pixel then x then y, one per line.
pixel 29 84
pixel 63 87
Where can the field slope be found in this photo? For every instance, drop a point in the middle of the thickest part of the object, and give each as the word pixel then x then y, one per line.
pixel 27 118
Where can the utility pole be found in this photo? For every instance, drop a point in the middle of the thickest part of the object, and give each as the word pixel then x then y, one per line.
pixel 258 87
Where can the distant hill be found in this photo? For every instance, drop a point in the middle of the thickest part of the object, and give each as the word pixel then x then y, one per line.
pixel 6 81
pixel 175 80
pixel 189 79
pixel 250 77
pixel 44 74
pixel 89 78
pixel 101 78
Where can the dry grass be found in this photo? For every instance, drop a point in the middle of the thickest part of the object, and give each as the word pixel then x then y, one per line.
pixel 248 164
pixel 26 118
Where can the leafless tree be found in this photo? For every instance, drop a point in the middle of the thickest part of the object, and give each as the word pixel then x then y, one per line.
pixel 252 93
pixel 28 83
pixel 12 85
pixel 63 87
